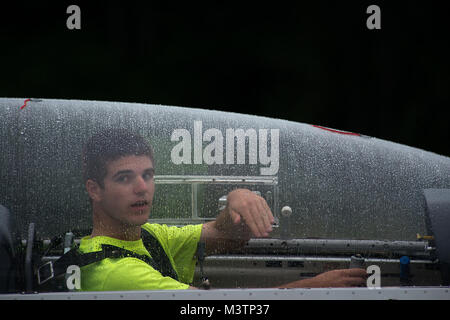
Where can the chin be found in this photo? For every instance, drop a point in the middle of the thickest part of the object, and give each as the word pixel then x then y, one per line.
pixel 139 220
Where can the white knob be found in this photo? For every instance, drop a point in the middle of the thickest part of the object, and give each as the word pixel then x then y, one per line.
pixel 286 211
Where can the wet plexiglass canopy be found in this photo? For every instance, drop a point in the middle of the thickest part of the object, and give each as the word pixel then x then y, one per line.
pixel 338 185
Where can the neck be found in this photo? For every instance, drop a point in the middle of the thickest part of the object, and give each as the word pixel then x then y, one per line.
pixel 126 235
pixel 104 225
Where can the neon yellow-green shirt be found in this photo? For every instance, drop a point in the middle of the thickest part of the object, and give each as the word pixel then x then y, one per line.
pixel 114 274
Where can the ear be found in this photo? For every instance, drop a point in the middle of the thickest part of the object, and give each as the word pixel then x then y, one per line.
pixel 94 190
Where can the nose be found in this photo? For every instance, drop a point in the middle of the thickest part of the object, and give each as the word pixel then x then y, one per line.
pixel 140 186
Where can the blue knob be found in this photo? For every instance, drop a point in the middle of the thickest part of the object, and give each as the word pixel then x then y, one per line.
pixel 404 260
pixel 404 269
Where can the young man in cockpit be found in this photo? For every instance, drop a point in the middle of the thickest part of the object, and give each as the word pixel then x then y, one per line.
pixel 118 175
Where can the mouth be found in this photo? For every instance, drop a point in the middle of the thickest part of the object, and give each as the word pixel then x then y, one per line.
pixel 140 205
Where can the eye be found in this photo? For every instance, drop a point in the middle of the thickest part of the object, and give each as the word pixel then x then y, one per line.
pixel 148 176
pixel 123 178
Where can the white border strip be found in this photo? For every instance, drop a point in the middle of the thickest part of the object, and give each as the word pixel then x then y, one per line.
pixel 396 293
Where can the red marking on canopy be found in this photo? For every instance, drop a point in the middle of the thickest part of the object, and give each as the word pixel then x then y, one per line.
pixel 25 103
pixel 337 131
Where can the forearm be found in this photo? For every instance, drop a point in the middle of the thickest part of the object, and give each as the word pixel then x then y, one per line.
pixel 223 235
pixel 218 240
pixel 333 278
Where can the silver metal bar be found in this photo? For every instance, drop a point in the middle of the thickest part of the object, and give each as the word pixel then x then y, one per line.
pixel 194 197
pixel 320 246
pixel 276 205
pixel 305 259
pixel 179 179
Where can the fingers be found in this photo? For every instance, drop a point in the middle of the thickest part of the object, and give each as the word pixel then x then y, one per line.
pixel 267 214
pixel 235 217
pixel 253 219
pixel 341 278
pixel 253 210
pixel 270 215
pixel 353 277
pixel 355 272
pixel 262 216
pixel 257 216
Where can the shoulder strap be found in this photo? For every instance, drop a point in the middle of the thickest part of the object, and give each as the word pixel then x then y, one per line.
pixel 158 254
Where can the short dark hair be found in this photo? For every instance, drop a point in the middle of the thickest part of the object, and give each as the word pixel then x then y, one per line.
pixel 109 145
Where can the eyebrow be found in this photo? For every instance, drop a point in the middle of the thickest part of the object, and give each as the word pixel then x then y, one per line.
pixel 149 170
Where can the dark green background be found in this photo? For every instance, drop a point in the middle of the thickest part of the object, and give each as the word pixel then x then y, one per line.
pixel 313 62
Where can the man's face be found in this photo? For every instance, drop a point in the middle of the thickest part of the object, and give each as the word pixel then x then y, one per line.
pixel 128 190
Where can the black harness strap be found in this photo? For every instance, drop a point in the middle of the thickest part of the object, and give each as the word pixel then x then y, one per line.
pixel 158 254
pixel 158 260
